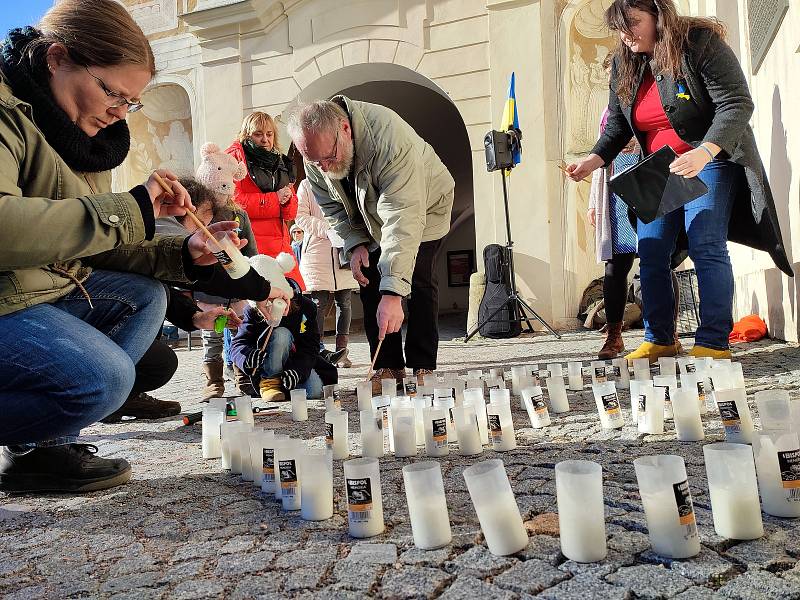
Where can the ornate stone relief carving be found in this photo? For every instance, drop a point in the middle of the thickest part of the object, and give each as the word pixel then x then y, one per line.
pixel 155 16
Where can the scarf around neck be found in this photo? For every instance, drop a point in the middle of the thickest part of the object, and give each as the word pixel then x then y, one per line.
pixel 30 83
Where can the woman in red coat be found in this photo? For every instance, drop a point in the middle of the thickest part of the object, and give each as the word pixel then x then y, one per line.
pixel 267 193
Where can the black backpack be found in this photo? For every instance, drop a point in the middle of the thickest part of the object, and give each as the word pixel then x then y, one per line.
pixel 505 323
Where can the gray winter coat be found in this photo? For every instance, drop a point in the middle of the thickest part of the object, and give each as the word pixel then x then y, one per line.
pixel 718 110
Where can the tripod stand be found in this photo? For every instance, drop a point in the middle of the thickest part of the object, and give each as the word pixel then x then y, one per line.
pixel 518 307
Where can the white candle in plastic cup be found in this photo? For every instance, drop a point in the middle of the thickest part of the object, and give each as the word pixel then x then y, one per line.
pixel 474 397
pixel 737 374
pixel 773 408
pixel 228 254
pixel 581 514
pixel 427 505
pixel 670 385
pixel 533 397
pixel 599 372
pixel 404 431
pixel 257 444
pixel 244 409
pixel 316 482
pixel 287 459
pixel 420 403
pixel 410 386
pixel 496 507
pixel 557 394
pixel 637 387
pixel 281 447
pixel 249 470
pixel 607 401
pixel 371 433
pixel 503 395
pixel 555 369
pixel 336 433
pixel 363 493
pixel 435 421
pixel 475 373
pixel 696 382
pixel 721 376
pixel 212 437
pixel 686 364
pixel 268 462
pixel 331 393
pixel 299 405
pixel 238 443
pixel 667 501
pixel 622 376
pixel 575 376
pixel 777 455
pixel 496 372
pixel 641 368
pixel 686 412
pixel 650 410
pixel 447 404
pixel 469 435
pixel 501 426
pixel 382 404
pixel 735 415
pixel 666 366
pixel 228 432
pixel 364 395
pixel 389 387
pixel 733 489
pixel 518 374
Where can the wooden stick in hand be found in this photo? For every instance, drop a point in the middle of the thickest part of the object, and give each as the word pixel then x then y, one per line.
pixel 190 214
pixel 564 169
pixel 374 359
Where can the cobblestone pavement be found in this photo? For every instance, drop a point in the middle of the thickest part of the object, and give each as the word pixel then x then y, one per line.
pixel 182 528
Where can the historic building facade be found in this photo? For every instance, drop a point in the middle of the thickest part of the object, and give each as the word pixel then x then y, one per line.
pixel 444 65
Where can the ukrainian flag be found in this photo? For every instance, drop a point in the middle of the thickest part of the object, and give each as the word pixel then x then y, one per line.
pixel 510 117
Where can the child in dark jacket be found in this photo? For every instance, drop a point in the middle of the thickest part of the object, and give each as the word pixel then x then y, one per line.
pixel 291 359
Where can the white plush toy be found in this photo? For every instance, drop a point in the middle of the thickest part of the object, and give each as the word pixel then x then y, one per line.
pixel 274 270
pixel 219 171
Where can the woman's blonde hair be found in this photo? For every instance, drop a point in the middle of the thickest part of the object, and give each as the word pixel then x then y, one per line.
pixel 95 33
pixel 672 37
pixel 259 121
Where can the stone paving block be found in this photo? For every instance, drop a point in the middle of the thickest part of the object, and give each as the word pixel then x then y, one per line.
pixel 320 557
pixel 479 562
pixel 238 544
pixel 613 561
pixel 413 582
pixel 584 587
pixel 303 578
pixel 761 553
pixel 8 565
pixel 354 575
pixel 649 581
pixel 696 593
pixel 530 577
pixel 197 588
pixel 542 547
pixel 759 585
pixel 203 550
pixel 185 570
pixel 141 594
pixel 426 558
pixel 125 583
pixel 632 542
pixel 469 587
pixel 266 586
pixel 706 567
pixel 136 564
pixel 229 565
pixel 369 553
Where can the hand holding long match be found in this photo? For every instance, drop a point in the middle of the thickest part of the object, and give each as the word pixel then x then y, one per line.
pixel 564 170
pixel 168 191
pixel 374 359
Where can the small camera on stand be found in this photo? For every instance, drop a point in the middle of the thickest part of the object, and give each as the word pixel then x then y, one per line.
pixel 500 147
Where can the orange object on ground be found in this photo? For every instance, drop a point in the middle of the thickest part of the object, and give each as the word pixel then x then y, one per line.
pixel 749 329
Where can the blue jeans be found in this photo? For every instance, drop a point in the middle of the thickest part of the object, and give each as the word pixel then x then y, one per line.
pixel 278 349
pixel 706 222
pixel 64 365
pixel 226 346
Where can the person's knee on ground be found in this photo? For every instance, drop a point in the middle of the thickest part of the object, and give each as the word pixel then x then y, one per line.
pixel 278 348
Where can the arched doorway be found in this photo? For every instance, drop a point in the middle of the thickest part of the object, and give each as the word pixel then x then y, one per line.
pixel 437 120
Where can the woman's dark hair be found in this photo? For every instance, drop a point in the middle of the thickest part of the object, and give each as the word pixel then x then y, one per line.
pixel 95 33
pixel 672 37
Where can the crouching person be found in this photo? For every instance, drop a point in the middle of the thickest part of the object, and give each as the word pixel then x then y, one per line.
pixel 291 359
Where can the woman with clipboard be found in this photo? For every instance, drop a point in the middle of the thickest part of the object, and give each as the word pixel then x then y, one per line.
pixel 676 82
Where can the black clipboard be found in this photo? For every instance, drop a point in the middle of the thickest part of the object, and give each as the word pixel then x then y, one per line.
pixel 651 191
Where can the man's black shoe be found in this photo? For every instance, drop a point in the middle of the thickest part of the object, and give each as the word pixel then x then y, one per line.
pixel 61 469
pixel 144 406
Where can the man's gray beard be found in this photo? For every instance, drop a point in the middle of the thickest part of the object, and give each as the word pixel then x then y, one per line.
pixel 343 171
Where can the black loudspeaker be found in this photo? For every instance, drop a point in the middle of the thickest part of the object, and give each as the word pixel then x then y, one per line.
pixel 497 145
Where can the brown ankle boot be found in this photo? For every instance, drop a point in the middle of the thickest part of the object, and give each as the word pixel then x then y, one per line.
pixel 215 384
pixel 341 344
pixel 614 344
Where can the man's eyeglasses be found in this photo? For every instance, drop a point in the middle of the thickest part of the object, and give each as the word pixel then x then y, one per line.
pixel 332 157
pixel 115 99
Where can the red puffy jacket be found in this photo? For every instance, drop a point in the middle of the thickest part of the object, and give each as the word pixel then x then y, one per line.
pixel 267 215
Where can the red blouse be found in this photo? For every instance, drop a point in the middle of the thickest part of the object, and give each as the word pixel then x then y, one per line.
pixel 649 118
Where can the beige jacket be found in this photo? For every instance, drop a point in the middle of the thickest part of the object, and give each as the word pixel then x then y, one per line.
pixel 404 193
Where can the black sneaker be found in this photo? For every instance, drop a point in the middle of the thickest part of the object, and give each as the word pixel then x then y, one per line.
pixel 144 406
pixel 60 469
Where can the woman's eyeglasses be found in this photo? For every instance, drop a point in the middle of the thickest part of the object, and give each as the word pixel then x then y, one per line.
pixel 115 99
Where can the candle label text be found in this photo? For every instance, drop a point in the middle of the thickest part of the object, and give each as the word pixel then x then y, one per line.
pixel 539 404
pixel 586 371
pixel 288 475
pixel 701 391
pixel 439 427
pixel 329 435
pixel 610 404
pixel 789 464
pixel 495 430
pixel 729 414
pixel 600 374
pixel 667 398
pixel 690 367
pixel 359 499
pixel 223 258
pixel 268 464
pixel 615 371
pixel 683 498
pixel 411 388
pixel 544 374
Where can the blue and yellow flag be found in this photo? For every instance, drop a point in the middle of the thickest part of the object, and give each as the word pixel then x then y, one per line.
pixel 510 117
